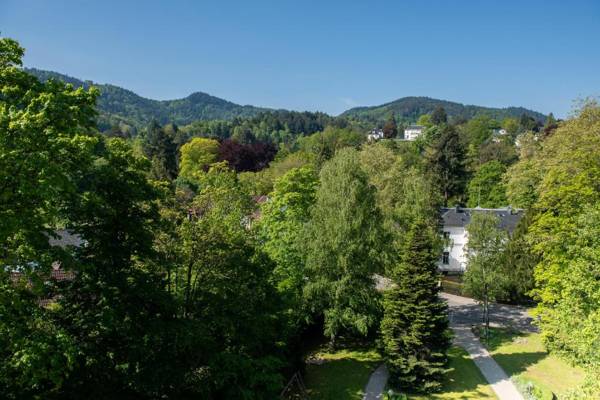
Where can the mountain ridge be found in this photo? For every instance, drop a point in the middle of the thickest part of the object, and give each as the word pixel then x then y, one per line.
pixel 409 109
pixel 117 105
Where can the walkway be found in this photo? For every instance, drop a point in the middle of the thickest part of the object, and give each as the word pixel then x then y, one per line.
pixel 376 385
pixel 493 373
pixel 463 313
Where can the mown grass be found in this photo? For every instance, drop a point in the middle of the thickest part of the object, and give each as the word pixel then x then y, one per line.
pixel 523 357
pixel 343 374
pixel 463 381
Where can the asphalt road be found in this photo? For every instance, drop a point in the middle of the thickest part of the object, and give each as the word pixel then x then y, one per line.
pixel 466 311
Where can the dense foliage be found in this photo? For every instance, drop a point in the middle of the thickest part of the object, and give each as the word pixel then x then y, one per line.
pixel 210 251
pixel 411 108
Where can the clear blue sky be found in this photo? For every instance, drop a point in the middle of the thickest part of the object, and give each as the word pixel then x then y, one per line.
pixel 321 55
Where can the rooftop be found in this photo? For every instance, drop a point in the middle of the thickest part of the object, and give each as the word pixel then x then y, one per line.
pixel 459 216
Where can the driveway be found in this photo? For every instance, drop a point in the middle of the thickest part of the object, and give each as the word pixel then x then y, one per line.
pixel 466 311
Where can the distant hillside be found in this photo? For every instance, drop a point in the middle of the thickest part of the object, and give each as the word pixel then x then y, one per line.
pixel 121 105
pixel 410 108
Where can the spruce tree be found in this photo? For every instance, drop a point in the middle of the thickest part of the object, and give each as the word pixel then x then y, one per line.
pixel 415 324
pixel 446 164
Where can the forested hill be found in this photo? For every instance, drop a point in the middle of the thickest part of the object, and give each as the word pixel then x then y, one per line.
pixel 410 108
pixel 121 105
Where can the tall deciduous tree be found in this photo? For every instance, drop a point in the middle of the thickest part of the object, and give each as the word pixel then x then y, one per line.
pixel 343 241
pixel 227 298
pixel 414 327
pixel 486 188
pixel 43 145
pixel 281 223
pixel 196 156
pixel 484 277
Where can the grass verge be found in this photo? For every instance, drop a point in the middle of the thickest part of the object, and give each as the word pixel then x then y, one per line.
pixel 341 375
pixel 523 357
pixel 463 381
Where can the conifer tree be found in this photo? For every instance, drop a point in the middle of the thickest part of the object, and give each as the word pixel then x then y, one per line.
pixel 390 129
pixel 439 116
pixel 446 162
pixel 415 324
pixel 160 148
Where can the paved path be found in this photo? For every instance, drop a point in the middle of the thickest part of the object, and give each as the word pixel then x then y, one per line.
pixel 376 385
pixel 465 312
pixel 493 373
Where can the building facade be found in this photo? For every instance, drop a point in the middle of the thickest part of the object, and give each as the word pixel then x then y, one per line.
pixel 456 236
pixel 412 132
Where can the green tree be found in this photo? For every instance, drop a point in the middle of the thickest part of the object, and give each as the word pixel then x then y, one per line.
pixel 161 149
pixel 196 156
pixel 425 120
pixel 282 220
pixel 43 145
pixel 566 195
pixel 324 145
pixel 511 125
pixel 343 241
pixel 227 300
pixel 518 265
pixel 439 116
pixel 484 278
pixel 390 129
pixel 486 188
pixel 446 162
pixel 479 129
pixel 414 327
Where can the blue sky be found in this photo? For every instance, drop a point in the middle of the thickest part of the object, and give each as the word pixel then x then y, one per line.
pixel 321 55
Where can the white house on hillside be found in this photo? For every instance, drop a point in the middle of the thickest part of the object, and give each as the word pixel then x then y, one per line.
pixel 455 221
pixel 374 135
pixel 413 131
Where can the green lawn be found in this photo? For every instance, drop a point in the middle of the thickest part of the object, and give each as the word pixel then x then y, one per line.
pixel 343 375
pixel 524 358
pixel 463 381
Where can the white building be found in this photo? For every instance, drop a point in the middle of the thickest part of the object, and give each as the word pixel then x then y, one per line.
pixel 497 134
pixel 376 134
pixel 413 131
pixel 455 221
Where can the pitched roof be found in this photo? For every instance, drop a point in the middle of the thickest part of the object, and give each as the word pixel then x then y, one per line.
pixel 415 127
pixel 458 216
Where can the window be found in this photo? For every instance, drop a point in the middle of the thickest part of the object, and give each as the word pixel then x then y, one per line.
pixel 446 235
pixel 446 258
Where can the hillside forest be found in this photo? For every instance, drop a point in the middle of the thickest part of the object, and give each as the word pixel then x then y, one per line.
pixel 211 250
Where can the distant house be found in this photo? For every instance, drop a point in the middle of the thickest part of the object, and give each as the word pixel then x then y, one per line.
pixel 455 221
pixel 374 135
pixel 412 132
pixel 497 134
